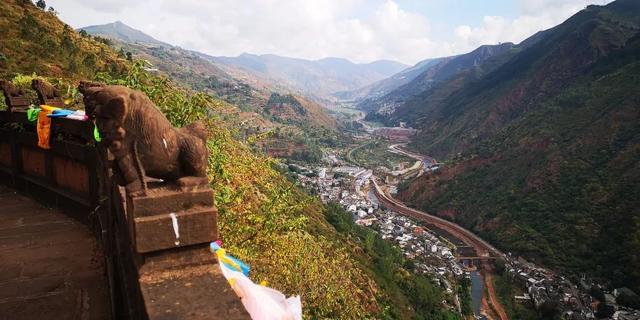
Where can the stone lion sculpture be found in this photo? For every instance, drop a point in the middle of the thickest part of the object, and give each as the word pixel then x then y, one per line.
pixel 143 141
pixel 10 90
pixel 47 94
pixel 14 97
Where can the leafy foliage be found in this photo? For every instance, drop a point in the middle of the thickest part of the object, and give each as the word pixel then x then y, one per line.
pixel 36 41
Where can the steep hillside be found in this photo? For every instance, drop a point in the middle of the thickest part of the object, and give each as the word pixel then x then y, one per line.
pixel 191 69
pixel 297 110
pixel 543 151
pixel 426 78
pixel 319 78
pixel 264 219
pixel 182 65
pixel 35 41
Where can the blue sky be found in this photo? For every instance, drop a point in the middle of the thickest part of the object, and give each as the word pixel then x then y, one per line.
pixel 360 30
pixel 444 15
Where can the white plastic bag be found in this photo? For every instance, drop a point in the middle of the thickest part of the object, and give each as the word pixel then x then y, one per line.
pixel 262 303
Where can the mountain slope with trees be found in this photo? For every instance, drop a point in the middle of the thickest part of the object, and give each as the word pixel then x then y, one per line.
pixel 35 40
pixel 543 151
pixel 431 77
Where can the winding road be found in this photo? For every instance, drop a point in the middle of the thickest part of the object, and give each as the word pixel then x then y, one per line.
pixel 481 247
pixel 396 148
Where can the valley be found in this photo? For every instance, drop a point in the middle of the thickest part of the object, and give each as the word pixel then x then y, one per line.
pixel 442 249
pixel 499 182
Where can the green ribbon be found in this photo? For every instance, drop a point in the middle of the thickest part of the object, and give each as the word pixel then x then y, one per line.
pixel 96 133
pixel 32 114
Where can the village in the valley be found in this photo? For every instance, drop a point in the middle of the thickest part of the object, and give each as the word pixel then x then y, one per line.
pixel 438 253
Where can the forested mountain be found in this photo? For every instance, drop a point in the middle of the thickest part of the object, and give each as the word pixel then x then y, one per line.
pixel 384 86
pixel 30 43
pixel 542 145
pixel 297 110
pixel 431 75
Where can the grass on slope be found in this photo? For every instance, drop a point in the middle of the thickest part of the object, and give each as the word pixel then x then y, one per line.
pixel 36 41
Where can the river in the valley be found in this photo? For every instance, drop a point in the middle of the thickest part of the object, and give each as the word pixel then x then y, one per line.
pixel 477 288
pixel 477 282
pixel 372 197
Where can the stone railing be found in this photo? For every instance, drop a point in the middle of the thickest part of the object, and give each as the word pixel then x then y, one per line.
pixel 156 246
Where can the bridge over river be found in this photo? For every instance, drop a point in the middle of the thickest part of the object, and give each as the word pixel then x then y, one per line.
pixel 74 245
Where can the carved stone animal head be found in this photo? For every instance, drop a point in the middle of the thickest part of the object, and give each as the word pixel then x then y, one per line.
pixel 10 90
pixel 108 108
pixel 45 90
pixel 84 85
pixel 88 89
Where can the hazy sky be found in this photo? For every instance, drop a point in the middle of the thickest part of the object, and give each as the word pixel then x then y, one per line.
pixel 359 30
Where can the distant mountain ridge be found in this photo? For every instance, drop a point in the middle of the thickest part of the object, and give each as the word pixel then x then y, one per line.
pixel 427 75
pixel 201 72
pixel 385 86
pixel 120 31
pixel 321 78
pixel 316 78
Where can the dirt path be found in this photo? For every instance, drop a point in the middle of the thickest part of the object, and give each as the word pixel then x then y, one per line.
pixel 486 310
pixel 494 303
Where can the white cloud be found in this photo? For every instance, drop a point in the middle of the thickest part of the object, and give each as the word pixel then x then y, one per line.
pixel 360 30
pixel 536 15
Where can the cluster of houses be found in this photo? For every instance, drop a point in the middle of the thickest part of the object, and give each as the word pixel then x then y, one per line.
pixel 430 255
pixel 574 302
pixel 349 186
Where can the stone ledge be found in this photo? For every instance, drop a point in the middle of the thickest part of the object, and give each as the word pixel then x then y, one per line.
pixel 196 292
pixel 196 225
pixel 166 198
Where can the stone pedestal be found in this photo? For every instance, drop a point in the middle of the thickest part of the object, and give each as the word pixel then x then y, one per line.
pixel 178 275
pixel 168 218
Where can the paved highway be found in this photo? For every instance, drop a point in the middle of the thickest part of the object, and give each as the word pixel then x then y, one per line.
pixel 482 248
